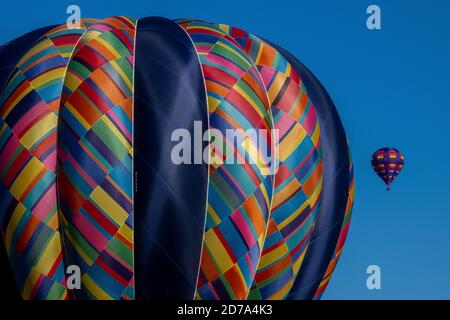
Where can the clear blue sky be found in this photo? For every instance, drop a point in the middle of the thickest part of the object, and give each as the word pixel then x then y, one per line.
pixel 391 88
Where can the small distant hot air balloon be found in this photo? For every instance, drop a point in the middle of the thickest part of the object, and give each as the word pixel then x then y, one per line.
pixel 387 163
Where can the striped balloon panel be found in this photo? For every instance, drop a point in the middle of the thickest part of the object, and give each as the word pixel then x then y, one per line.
pixel 29 110
pixel 95 160
pixel 10 54
pixel 12 51
pixel 239 191
pixel 342 237
pixel 298 181
pixel 335 186
pixel 387 163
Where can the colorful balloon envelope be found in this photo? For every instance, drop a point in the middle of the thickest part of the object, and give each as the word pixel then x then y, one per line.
pixel 91 120
pixel 387 164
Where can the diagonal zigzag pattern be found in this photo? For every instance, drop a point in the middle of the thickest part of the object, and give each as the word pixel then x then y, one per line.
pixel 28 209
pixel 258 226
pixel 298 181
pixel 95 160
pixel 239 195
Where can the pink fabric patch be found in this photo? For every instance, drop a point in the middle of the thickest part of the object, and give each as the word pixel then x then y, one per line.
pixel 244 229
pixel 283 123
pixel 11 146
pixel 310 119
pixel 95 238
pixel 50 161
pixel 267 75
pixel 225 63
pixel 30 117
pixel 46 204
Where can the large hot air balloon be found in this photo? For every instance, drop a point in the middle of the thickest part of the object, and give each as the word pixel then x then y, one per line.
pixel 387 164
pixel 87 176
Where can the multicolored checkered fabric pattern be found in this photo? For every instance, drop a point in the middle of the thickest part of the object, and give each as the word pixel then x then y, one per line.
pixel 298 181
pixel 95 160
pixel 239 194
pixel 67 175
pixel 28 209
